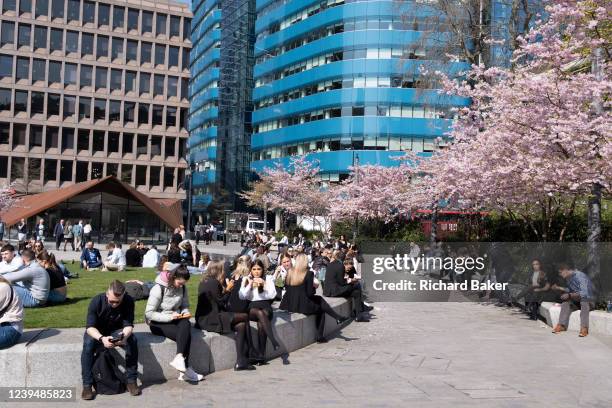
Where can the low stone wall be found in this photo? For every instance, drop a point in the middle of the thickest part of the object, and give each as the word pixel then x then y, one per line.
pixel 600 322
pixel 51 357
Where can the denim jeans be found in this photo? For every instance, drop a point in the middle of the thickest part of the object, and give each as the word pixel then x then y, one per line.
pixel 90 345
pixel 26 297
pixel 56 297
pixel 9 336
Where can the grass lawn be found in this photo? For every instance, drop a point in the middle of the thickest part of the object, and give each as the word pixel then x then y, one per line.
pixel 87 285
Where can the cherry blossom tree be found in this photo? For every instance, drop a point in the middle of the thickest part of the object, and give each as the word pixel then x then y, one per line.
pixel 530 143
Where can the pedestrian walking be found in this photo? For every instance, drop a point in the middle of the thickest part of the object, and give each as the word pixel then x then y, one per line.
pixel 58 233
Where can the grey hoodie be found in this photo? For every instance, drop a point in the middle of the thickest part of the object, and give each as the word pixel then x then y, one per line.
pixel 34 278
pixel 160 310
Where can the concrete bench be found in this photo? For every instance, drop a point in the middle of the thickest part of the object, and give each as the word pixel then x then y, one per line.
pixel 600 322
pixel 51 357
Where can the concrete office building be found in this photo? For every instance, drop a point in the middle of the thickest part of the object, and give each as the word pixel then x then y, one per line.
pixel 90 89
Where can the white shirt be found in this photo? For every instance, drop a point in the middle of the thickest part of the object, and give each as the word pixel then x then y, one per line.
pixel 87 229
pixel 117 257
pixel 248 293
pixel 15 264
pixel 150 259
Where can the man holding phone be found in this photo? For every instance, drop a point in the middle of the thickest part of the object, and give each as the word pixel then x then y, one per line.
pixel 110 323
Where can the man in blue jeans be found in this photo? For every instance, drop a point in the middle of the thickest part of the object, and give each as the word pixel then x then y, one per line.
pixel 90 257
pixel 32 282
pixel 110 315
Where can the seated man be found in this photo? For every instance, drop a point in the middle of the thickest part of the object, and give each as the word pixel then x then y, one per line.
pixel 11 262
pixel 578 294
pixel 115 261
pixel 32 281
pixel 90 257
pixel 151 258
pixel 110 316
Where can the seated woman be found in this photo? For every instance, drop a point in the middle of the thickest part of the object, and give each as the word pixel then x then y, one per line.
pixel 536 290
pixel 300 296
pixel 11 315
pixel 167 314
pixel 133 257
pixel 57 288
pixel 212 316
pixel 174 253
pixel 189 254
pixel 281 274
pixel 151 258
pixel 260 292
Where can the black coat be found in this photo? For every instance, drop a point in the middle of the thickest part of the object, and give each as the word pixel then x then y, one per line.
pixel 234 303
pixel 210 313
pixel 301 298
pixel 335 285
pixel 133 257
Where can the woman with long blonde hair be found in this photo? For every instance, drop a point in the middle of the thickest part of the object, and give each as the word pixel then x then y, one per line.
pixel 300 296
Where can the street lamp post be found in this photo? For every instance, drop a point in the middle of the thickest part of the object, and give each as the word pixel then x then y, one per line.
pixel 189 172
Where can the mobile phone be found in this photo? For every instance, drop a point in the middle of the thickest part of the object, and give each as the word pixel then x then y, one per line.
pixel 117 339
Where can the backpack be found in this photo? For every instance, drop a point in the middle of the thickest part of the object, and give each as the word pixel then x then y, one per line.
pixel 136 290
pixel 107 377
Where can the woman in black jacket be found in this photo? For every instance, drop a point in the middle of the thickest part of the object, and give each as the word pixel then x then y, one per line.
pixel 300 296
pixel 211 314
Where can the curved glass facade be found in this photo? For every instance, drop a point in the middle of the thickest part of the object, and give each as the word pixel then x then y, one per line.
pixel 338 79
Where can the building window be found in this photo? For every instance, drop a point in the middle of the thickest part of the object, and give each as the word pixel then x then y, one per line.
pixel 160 54
pixel 57 40
pixel 117 49
pixel 52 139
pixel 82 169
pixel 142 144
pixel 40 38
pixel 6 66
pixel 87 44
pixel 84 108
pixel 21 101
pixel 173 57
pixel 143 113
pixel 5 101
pixel 175 26
pixel 42 8
pixel 118 17
pixel 184 88
pixel 50 170
pixel 170 116
pixel 100 109
pixel 53 104
pixel 36 136
pixel 55 72
pixel 17 167
pixel 57 9
pixel 25 6
pixel 7 33
pixel 102 47
pixel 114 111
pixel 112 169
pixel 154 173
pixel 3 163
pixel 172 86
pixel 67 139
pixel 133 15
pixel 70 74
pixel 187 29
pixel 101 77
pixel 128 143
pixel 19 135
pixel 129 110
pixel 147 22
pixel 83 140
pixel 86 75
pixel 113 142
pixel 160 24
pixel 23 68
pixel 97 144
pixel 103 14
pixel 145 83
pixel 37 103
pixel 145 53
pixel 69 106
pixel 115 80
pixel 89 12
pixel 168 177
pixel 126 173
pixel 9 5
pixel 72 41
pixel 132 51
pixel 65 171
pixel 156 145
pixel 25 35
pixel 4 131
pixel 74 10
pixel 170 147
pixel 130 81
pixel 141 175
pixel 158 85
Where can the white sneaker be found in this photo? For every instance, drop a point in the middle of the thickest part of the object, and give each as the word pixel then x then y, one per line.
pixel 179 363
pixel 192 375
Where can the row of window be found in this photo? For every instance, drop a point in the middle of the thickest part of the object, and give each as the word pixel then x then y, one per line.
pixel 52 170
pixel 140 21
pixel 368 142
pixel 117 49
pixel 349 53
pixel 92 141
pixel 40 72
pixel 398 111
pixel 88 110
pixel 398 23
pixel 345 83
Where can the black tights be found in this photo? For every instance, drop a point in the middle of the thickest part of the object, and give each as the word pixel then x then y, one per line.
pixel 324 308
pixel 264 330
pixel 240 322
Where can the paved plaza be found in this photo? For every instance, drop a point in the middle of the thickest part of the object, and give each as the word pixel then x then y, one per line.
pixel 414 354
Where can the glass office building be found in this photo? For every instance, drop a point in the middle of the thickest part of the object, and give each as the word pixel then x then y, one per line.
pixel 94 88
pixel 341 81
pixel 221 107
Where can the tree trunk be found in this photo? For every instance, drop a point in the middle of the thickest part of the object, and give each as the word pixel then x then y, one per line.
pixel 433 231
pixel 594 231
pixel 265 217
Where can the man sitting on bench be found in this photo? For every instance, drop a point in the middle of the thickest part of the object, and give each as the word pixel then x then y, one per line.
pixel 578 294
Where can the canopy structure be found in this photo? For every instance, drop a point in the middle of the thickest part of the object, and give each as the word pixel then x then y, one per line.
pixel 169 212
